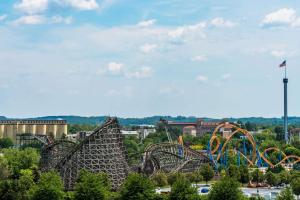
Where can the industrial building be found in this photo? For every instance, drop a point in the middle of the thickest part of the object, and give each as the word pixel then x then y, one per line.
pixel 53 128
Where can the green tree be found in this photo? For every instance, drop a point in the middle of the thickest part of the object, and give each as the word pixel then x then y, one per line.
pixel 225 189
pixel 285 177
pixel 257 176
pixel 6 143
pixel 4 169
pixel 21 159
pixel 277 168
pixel 197 177
pixel 250 126
pixel 7 190
pixel 17 189
pixel 172 178
pixel 234 172
pixel 24 184
pixel 286 194
pixel 206 172
pixel 160 179
pixel 183 190
pixel 93 186
pixel 295 184
pixel 137 187
pixel 244 172
pixel 279 133
pixel 272 179
pixel 50 187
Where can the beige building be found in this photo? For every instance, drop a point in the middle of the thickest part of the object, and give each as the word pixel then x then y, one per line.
pixel 54 128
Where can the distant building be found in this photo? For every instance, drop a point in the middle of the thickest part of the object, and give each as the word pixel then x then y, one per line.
pixel 226 130
pixel 189 130
pixel 201 126
pixel 130 133
pixel 144 132
pixel 53 128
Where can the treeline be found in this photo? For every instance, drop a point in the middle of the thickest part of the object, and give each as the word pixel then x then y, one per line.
pixel 96 120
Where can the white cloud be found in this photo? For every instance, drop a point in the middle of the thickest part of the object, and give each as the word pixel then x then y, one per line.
pixel 30 20
pixel 147 23
pixel 220 22
pixel 32 6
pixel 278 53
pixel 59 19
pixel 126 91
pixel 3 17
pixel 283 54
pixel 226 77
pixel 115 68
pixel 41 19
pixel 177 35
pixel 143 72
pixel 202 78
pixel 147 48
pixel 199 58
pixel 281 17
pixel 82 4
pixel 170 90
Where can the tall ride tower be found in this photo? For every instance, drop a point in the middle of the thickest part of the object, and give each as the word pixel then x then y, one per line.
pixel 286 134
pixel 285 82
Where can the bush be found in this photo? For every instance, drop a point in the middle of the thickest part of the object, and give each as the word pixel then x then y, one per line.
pixel 6 143
pixel 296 186
pixel 160 179
pixel 286 194
pixel 172 178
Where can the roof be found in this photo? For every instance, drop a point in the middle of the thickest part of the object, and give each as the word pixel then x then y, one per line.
pixel 33 121
pixel 189 127
pixel 182 123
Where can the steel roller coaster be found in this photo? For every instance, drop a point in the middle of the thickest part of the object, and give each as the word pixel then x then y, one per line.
pixel 252 154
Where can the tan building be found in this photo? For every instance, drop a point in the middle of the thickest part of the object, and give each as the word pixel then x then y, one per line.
pixel 54 128
pixel 189 130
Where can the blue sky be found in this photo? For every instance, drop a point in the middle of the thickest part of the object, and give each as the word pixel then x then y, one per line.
pixel 135 58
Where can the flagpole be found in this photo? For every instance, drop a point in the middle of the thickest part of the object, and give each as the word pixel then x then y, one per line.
pixel 285 71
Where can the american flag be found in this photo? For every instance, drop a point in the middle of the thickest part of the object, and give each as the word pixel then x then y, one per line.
pixel 283 64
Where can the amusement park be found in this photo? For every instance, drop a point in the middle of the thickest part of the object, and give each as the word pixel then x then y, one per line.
pixel 218 152
pixel 149 100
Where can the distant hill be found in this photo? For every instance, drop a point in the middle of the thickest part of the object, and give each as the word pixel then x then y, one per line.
pixel 96 120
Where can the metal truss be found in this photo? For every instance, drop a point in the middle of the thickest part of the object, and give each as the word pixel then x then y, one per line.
pixel 172 158
pixel 102 151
